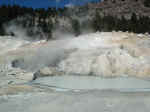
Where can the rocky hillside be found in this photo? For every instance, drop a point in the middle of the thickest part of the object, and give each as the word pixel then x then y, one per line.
pixel 122 7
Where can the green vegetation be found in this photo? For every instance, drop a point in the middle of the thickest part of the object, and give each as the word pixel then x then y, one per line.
pixel 147 3
pixel 36 21
pixel 42 22
pixel 97 22
pixel 76 27
pixel 110 23
pixel 2 31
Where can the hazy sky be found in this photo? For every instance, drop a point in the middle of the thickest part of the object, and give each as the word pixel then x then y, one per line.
pixel 45 3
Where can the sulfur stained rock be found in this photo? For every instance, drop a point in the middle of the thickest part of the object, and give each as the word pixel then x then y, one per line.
pixel 14 89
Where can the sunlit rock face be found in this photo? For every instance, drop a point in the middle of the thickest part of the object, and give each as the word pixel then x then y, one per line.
pixel 106 54
pixel 109 55
pixel 111 62
pixel 47 72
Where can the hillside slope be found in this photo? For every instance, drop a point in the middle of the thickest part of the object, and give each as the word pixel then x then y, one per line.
pixel 121 8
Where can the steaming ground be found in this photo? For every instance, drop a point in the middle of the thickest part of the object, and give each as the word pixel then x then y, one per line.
pixel 45 73
pixel 109 54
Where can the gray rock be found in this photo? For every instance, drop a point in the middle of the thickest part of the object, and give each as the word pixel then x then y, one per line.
pixel 20 75
pixel 46 71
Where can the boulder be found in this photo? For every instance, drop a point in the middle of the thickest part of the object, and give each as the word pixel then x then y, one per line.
pixel 46 71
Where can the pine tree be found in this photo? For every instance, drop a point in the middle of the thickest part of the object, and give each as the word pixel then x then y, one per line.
pixel 147 3
pixel 49 30
pixel 134 23
pixel 97 23
pixel 2 31
pixel 76 27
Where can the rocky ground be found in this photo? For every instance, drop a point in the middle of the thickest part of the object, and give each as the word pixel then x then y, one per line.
pixel 24 65
pixel 119 8
pixel 87 101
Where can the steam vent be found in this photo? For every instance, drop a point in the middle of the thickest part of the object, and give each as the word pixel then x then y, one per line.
pixel 75 57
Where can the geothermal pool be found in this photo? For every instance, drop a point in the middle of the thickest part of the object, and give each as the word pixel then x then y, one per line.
pixel 91 83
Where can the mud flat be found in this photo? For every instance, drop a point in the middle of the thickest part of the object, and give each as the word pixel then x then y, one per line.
pixel 129 84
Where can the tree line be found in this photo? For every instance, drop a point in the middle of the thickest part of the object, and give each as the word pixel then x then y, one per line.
pixel 29 18
pixel 41 21
pixel 135 24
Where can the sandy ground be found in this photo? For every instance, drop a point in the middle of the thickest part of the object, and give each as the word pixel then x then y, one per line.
pixel 85 101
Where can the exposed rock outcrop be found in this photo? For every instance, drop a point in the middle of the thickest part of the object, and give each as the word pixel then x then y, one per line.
pixel 47 71
pixel 117 54
pixel 14 76
pixel 121 8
